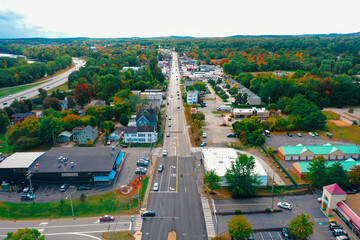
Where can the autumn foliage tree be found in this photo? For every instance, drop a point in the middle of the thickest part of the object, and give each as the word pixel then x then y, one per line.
pixel 53 103
pixel 354 175
pixel 82 94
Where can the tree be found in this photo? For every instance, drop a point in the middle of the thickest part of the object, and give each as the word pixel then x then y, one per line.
pixel 4 122
pixel 25 234
pixel 82 197
pixel 241 98
pixel 50 127
pixel 212 180
pixel 240 178
pixel 250 130
pixel 53 103
pixel 82 94
pixel 239 228
pixel 233 91
pixel 337 174
pixel 42 94
pixel 28 128
pixel 317 172
pixel 354 175
pixel 71 103
pixel 124 119
pixel 107 127
pixel 301 227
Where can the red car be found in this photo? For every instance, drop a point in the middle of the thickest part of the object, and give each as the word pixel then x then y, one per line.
pixel 107 218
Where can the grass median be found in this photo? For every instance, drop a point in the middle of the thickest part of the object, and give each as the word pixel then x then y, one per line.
pixel 96 205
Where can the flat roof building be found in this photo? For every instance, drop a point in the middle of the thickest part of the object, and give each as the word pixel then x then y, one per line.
pixel 262 113
pixel 83 165
pixel 221 159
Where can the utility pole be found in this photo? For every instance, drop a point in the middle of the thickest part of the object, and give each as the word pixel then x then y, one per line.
pixel 29 175
pixel 272 191
pixel 71 202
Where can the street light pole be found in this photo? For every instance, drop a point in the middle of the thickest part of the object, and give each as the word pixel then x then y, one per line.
pixel 71 202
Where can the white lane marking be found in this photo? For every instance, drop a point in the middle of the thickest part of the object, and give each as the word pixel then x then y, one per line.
pixel 169 177
pixel 41 230
pixel 185 189
pixel 63 226
pixel 43 224
pixel 161 180
pixel 87 235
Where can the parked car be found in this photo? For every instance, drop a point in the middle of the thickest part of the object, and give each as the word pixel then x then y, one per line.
pixel 156 186
pixel 81 188
pixel 204 135
pixel 141 170
pixel 334 225
pixel 142 163
pixel 311 134
pixel 203 144
pixel 26 190
pixel 289 134
pixel 299 134
pixel 165 153
pixel 108 142
pixel 123 145
pixel 231 135
pixel 316 134
pixel 319 199
pixel 342 237
pixel 149 213
pixel 284 205
pixel 64 187
pixel 286 234
pixel 339 232
pixel 161 168
pixel 107 218
pixel 27 197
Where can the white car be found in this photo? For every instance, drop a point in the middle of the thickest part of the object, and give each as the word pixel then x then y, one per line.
pixel 311 134
pixel 204 135
pixel 284 205
pixel 169 117
pixel 165 153
pixel 156 186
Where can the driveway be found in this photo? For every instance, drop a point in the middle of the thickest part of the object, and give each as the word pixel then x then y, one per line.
pixel 300 204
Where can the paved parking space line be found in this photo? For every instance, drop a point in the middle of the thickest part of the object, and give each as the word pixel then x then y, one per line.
pixel 280 235
pixel 261 236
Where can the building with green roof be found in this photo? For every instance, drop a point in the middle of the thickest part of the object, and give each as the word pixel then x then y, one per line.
pixel 328 151
pixel 301 168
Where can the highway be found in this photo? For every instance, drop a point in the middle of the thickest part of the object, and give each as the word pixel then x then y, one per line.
pixel 177 203
pixel 48 85
pixel 67 229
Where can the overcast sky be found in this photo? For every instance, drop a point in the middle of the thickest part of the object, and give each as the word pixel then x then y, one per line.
pixel 154 18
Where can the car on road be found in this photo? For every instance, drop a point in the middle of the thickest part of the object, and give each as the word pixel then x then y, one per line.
pixel 203 144
pixel 169 124
pixel 165 153
pixel 5 103
pixel 63 187
pixel 156 186
pixel 299 134
pixel 286 234
pixel 204 135
pixel 83 187
pixel 311 134
pixel 338 232
pixel 141 170
pixel 167 134
pixel 289 134
pixel 178 107
pixel 107 218
pixel 148 213
pixel 10 95
pixel 284 205
pixel 169 117
pixel 27 197
pixel 231 135
pixel 161 168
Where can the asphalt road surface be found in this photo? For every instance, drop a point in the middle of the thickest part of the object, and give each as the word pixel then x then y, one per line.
pixel 82 228
pixel 48 85
pixel 177 203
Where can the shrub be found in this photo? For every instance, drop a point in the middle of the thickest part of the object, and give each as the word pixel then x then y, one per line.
pixel 267 210
pixel 351 110
pixel 62 201
pixel 237 212
pixel 82 197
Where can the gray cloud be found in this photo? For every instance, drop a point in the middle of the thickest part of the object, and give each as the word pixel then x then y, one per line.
pixel 12 26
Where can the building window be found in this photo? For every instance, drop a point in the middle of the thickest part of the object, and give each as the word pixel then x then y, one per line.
pixel 141 135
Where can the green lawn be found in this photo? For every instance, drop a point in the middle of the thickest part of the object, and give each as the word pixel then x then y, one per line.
pixel 4 148
pixel 107 203
pixel 349 134
pixel 63 87
pixel 331 115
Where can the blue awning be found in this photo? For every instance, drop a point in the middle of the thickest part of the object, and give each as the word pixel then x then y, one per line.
pixel 119 158
pixel 109 177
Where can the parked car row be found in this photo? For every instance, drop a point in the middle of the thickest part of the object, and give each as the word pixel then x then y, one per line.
pixel 338 231
pixel 313 134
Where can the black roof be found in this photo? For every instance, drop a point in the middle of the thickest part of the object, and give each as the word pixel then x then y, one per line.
pixel 151 117
pixel 86 159
pixel 149 110
pixel 139 129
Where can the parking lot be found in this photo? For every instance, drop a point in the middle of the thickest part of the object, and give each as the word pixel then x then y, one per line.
pixel 274 235
pixel 279 140
pixel 300 204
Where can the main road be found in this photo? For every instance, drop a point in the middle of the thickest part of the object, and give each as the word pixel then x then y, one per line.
pixel 53 82
pixel 177 203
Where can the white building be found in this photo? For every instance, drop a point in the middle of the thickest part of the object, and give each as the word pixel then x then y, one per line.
pixel 152 95
pixel 192 97
pixel 221 159
pixel 140 134
pixel 262 113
